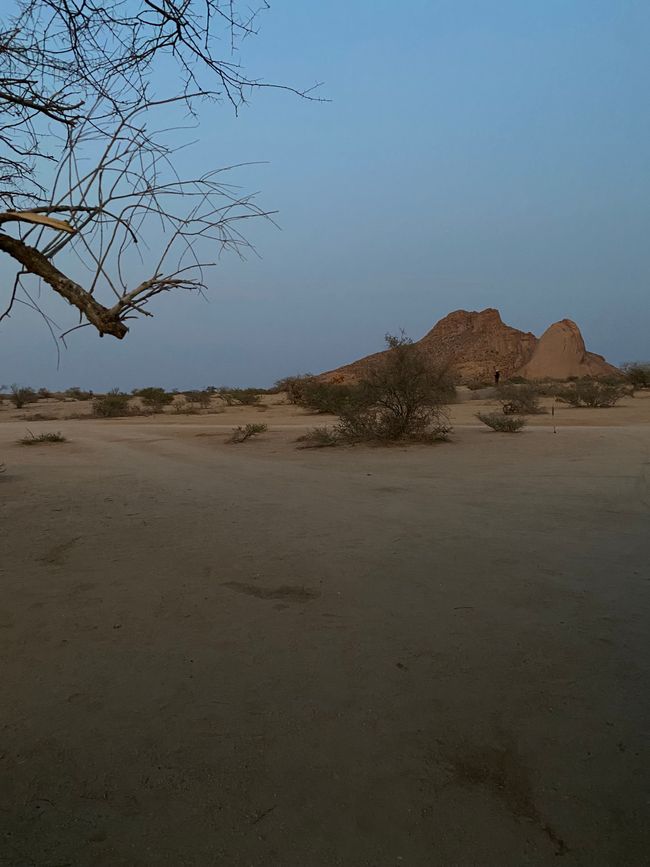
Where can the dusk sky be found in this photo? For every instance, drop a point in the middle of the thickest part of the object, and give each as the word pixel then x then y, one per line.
pixel 472 155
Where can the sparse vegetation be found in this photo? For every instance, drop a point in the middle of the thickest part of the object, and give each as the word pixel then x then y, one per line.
pixel 34 439
pixel 76 393
pixel 590 393
pixel 244 432
pixel 637 373
pixel 244 396
pixel 319 438
pixel 401 397
pixel 520 400
pixel 202 398
pixel 501 423
pixel 115 404
pixel 20 395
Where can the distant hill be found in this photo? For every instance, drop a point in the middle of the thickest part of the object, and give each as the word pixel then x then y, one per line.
pixel 476 343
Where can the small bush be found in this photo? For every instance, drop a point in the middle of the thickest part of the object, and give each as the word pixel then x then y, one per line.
pixel 319 438
pixel 115 404
pixel 241 434
pixel 520 400
pixel 34 439
pixel 589 393
pixel 637 373
pixel 20 395
pixel 501 423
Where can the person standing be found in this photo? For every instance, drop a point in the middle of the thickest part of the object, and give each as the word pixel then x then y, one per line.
pixel 497 376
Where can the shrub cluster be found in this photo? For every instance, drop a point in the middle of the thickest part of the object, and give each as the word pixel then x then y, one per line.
pixel 590 393
pixel 637 373
pixel 115 404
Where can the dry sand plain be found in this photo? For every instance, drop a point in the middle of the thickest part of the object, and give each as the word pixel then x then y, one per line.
pixel 253 655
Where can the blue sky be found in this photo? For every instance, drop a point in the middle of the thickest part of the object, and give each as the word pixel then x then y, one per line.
pixel 473 154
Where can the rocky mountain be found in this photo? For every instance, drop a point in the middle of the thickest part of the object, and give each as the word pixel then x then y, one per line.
pixel 476 343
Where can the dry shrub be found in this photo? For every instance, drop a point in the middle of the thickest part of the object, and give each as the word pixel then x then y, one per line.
pixel 34 439
pixel 20 395
pixel 243 396
pixel 501 423
pixel 202 398
pixel 242 433
pixel 520 400
pixel 319 438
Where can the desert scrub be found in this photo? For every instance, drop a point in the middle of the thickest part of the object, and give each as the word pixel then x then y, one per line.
pixel 319 438
pixel 115 404
pixel 637 373
pixel 201 398
pixel 402 397
pixel 20 395
pixel 590 393
pixel 243 396
pixel 501 423
pixel 154 399
pixel 242 433
pixel 34 439
pixel 520 400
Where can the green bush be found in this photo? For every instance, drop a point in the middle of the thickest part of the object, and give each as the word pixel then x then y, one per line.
pixel 20 395
pixel 501 423
pixel 403 396
pixel 241 434
pixel 115 404
pixel 154 399
pixel 590 393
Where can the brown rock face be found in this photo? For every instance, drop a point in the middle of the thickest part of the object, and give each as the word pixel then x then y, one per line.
pixel 476 344
pixel 561 353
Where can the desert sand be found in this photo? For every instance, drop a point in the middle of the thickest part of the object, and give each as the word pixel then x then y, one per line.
pixel 255 655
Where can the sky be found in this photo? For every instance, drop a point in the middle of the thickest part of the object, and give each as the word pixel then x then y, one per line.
pixel 472 154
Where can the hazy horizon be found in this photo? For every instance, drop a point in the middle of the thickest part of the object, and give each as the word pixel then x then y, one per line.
pixel 471 156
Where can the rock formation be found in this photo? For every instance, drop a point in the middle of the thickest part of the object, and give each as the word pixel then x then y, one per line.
pixel 475 344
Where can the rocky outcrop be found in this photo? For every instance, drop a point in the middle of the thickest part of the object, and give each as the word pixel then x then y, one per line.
pixel 561 353
pixel 474 344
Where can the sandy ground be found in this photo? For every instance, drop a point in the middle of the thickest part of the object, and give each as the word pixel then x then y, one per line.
pixel 254 655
